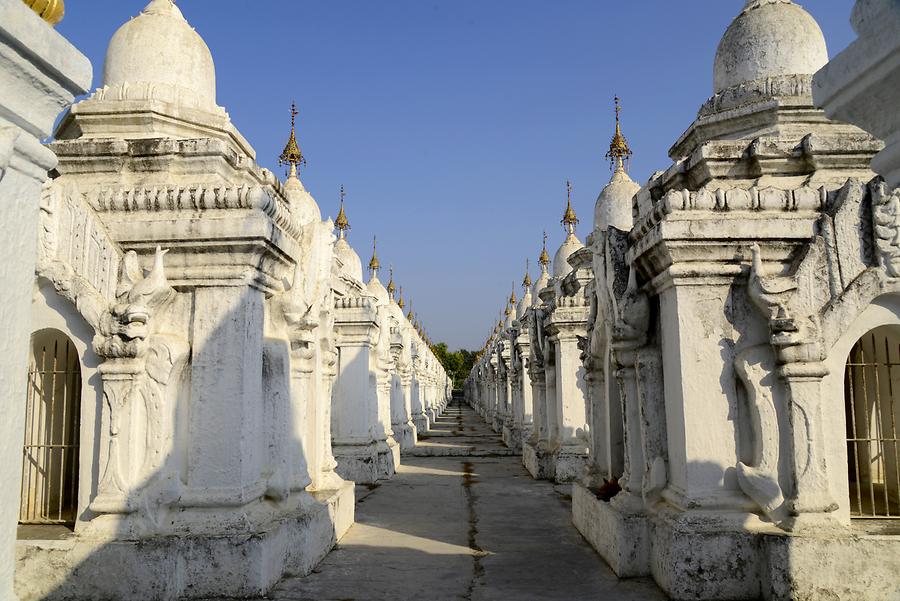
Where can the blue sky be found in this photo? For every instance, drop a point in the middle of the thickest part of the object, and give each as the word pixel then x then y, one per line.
pixel 454 124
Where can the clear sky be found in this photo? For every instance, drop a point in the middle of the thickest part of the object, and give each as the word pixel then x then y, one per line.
pixel 454 124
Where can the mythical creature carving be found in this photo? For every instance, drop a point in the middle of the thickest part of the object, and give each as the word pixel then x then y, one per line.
pixel 886 217
pixel 633 317
pixel 141 362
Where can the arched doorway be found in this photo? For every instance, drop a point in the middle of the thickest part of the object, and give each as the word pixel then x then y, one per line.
pixel 872 408
pixel 52 420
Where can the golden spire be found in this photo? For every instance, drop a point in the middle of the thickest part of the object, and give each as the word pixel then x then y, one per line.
pixel 291 154
pixel 526 283
pixel 391 287
pixel 512 297
pixel 544 259
pixel 51 11
pixel 341 222
pixel 401 303
pixel 569 220
pixel 410 316
pixel 619 152
pixel 374 263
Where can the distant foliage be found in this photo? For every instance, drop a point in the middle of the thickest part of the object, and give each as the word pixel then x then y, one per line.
pixel 457 364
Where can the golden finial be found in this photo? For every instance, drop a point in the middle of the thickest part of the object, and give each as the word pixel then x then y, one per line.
pixel 569 220
pixel 619 152
pixel 401 303
pixel 341 223
pixel 291 154
pixel 374 263
pixel 544 259
pixel 391 287
pixel 51 11
pixel 507 311
pixel 411 316
pixel 526 283
pixel 512 297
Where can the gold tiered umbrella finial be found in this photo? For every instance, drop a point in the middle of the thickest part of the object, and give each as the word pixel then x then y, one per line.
pixel 570 219
pixel 401 303
pixel 51 11
pixel 526 283
pixel 341 223
pixel 619 152
pixel 374 263
pixel 291 154
pixel 391 287
pixel 544 259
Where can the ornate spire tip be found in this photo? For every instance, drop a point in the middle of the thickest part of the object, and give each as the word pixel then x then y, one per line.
pixel 291 154
pixel 570 219
pixel 341 223
pixel 619 152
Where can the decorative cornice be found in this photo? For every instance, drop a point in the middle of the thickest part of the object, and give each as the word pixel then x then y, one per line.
pixel 192 198
pixel 723 200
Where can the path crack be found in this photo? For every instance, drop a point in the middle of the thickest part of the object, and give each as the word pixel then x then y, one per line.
pixel 478 553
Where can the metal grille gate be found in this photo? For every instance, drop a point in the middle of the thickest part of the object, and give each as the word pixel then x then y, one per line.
pixel 50 457
pixel 872 393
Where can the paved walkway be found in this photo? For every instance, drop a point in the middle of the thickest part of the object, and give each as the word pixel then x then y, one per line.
pixel 465 524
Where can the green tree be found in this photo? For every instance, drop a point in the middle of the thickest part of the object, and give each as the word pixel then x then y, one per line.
pixel 457 364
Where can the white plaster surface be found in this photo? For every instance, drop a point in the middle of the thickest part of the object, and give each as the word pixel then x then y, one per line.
pixel 40 75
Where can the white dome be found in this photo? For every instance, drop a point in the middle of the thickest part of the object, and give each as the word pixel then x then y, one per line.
pixel 349 258
pixel 508 324
pixel 561 267
pixel 158 55
pixel 303 205
pixel 770 38
pixel 377 289
pixel 613 206
pixel 524 304
pixel 539 285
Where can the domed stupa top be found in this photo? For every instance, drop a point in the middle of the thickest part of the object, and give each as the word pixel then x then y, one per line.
pixel 303 205
pixel 561 267
pixel 769 39
pixel 352 265
pixel 159 55
pixel 613 207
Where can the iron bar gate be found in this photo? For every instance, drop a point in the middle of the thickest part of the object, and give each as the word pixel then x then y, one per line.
pixel 52 418
pixel 872 392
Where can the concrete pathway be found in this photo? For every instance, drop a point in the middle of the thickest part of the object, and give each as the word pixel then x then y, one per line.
pixel 465 523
